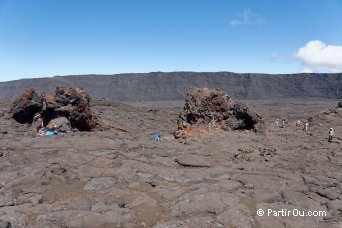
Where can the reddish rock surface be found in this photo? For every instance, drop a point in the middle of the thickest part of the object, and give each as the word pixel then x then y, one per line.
pixel 205 108
pixel 72 103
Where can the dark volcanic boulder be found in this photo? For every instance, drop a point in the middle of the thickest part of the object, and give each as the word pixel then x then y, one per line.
pixel 205 108
pixel 204 105
pixel 24 108
pixel 71 103
pixel 339 105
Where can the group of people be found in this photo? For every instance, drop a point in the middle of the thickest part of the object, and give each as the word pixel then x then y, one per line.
pixel 305 127
pixel 299 125
pixel 38 123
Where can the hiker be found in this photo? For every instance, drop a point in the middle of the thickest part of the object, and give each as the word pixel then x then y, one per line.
pixel 331 134
pixel 38 122
pixel 283 123
pixel 157 137
pixel 277 122
pixel 50 129
pixel 306 125
pixel 298 124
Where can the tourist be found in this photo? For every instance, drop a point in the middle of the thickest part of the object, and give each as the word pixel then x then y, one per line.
pixel 331 134
pixel 283 123
pixel 298 124
pixel 38 122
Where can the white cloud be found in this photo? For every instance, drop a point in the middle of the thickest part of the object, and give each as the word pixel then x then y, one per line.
pixel 320 57
pixel 247 17
pixel 306 70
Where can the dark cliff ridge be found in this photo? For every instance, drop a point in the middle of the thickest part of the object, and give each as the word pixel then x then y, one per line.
pixel 159 86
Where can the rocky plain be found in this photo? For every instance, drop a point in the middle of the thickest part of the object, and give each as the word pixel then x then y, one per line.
pixel 118 176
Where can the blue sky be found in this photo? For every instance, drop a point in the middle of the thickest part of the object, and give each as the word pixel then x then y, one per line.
pixel 40 38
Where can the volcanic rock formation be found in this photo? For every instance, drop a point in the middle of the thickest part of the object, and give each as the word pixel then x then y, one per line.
pixel 205 108
pixel 24 107
pixel 71 103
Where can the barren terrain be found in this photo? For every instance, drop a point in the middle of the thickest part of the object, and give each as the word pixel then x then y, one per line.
pixel 120 177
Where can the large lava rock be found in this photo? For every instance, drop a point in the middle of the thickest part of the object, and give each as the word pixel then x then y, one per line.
pixel 71 103
pixel 204 107
pixel 339 105
pixel 24 108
